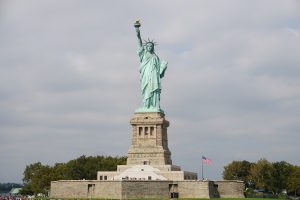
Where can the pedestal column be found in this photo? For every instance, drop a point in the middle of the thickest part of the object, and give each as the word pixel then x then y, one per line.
pixel 149 140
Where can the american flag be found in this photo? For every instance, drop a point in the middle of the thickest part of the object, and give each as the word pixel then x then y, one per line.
pixel 206 160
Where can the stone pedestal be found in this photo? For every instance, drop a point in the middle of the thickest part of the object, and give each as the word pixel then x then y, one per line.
pixel 149 140
pixel 149 157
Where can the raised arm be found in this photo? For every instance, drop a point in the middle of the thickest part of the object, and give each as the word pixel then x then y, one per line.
pixel 138 34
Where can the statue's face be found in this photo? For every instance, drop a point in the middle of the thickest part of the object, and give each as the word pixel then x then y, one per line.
pixel 150 47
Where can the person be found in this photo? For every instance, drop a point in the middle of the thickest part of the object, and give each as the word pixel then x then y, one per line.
pixel 151 72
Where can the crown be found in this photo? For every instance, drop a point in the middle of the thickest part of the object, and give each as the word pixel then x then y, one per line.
pixel 149 41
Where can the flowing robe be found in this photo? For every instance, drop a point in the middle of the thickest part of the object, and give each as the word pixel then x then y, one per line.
pixel 151 70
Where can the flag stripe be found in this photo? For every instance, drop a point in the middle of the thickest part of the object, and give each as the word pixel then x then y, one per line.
pixel 206 160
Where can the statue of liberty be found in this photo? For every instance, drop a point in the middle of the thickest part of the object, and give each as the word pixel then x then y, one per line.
pixel 151 71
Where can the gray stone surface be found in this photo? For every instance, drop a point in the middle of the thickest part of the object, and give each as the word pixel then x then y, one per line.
pixel 128 189
pixel 195 189
pixel 149 140
pixel 230 189
pixel 86 189
pixel 145 189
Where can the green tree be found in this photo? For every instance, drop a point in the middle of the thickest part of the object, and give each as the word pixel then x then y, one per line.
pixel 293 181
pixel 37 177
pixel 60 171
pixel 260 173
pixel 238 170
pixel 279 175
pixel 273 177
pixel 87 167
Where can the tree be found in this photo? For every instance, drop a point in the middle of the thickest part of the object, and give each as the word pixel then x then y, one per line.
pixel 272 177
pixel 238 170
pixel 293 181
pixel 60 171
pixel 279 175
pixel 260 173
pixel 87 167
pixel 37 177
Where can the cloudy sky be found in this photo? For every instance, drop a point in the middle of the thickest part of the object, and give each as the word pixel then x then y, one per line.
pixel 69 80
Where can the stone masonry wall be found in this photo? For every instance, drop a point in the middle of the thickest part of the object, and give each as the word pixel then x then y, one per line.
pixel 68 189
pixel 193 189
pixel 86 189
pixel 145 189
pixel 230 189
pixel 108 190
pixel 149 140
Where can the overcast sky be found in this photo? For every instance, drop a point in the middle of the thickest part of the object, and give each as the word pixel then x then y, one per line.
pixel 69 80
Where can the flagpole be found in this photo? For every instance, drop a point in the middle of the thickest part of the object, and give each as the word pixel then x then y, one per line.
pixel 202 167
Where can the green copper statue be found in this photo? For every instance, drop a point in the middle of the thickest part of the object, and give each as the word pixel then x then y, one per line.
pixel 151 71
